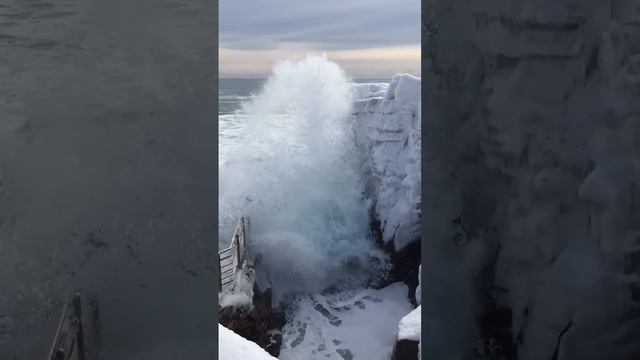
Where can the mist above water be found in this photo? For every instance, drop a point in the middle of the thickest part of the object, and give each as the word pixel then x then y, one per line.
pixel 292 166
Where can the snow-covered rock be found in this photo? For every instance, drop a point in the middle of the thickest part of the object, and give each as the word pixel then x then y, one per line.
pixel 408 344
pixel 409 327
pixel 232 346
pixel 532 196
pixel 388 125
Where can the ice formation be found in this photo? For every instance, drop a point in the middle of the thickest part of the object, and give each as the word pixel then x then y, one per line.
pixel 388 130
pixel 240 294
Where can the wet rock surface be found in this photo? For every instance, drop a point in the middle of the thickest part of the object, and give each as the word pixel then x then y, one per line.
pixel 406 350
pixel 404 263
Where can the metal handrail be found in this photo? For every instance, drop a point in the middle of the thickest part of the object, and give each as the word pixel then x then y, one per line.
pixel 235 253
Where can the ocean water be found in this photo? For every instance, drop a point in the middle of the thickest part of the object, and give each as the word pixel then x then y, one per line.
pixel 233 92
pixel 287 159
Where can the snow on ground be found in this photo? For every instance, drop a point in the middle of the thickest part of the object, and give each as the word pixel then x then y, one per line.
pixel 347 325
pixel 388 122
pixel 234 347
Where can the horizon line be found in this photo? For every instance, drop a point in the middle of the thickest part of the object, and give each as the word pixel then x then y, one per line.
pixel 265 78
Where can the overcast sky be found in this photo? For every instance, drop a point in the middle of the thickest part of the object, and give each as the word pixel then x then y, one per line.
pixel 368 38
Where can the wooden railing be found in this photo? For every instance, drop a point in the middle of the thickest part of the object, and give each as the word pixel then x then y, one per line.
pixel 68 343
pixel 232 258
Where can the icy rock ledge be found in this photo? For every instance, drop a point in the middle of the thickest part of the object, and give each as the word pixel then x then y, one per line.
pixel 387 120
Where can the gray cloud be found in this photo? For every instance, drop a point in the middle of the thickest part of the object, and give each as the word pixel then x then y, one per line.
pixel 321 24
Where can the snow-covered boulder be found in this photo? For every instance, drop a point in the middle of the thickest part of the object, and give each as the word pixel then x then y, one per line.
pixel 232 346
pixel 409 327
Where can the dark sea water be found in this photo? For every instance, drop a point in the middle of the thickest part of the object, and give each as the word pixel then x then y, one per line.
pixel 107 167
pixel 231 93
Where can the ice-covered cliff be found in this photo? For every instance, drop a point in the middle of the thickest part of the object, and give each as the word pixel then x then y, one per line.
pixel 533 154
pixel 387 118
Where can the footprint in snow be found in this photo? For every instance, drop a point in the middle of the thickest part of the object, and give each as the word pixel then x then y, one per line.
pixel 345 354
pixel 302 330
pixel 372 299
pixel 333 320
pixel 358 303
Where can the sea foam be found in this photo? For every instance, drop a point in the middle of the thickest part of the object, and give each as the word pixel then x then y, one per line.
pixel 295 170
